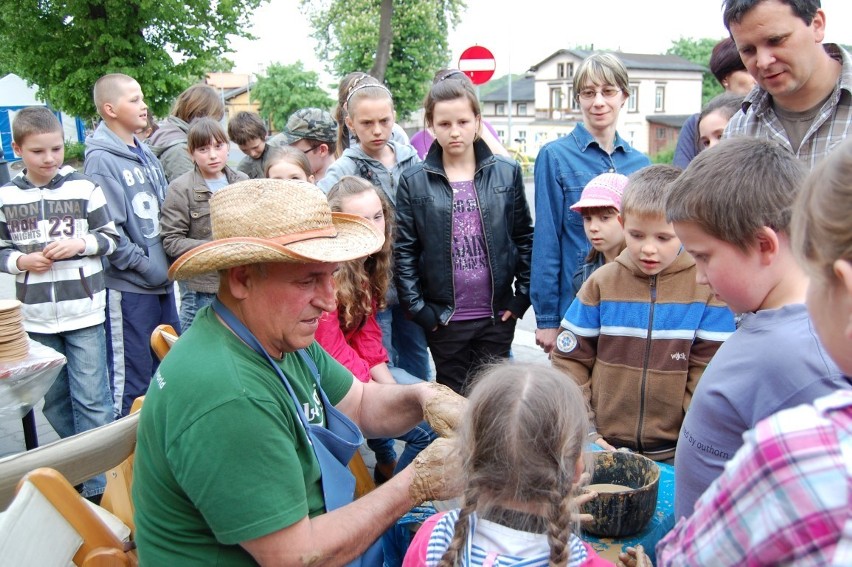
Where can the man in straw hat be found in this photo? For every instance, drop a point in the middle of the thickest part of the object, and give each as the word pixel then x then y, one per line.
pixel 241 455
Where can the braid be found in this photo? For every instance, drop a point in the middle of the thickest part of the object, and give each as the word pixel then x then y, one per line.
pixel 451 556
pixel 559 527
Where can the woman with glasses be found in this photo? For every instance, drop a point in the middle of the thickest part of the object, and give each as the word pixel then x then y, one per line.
pixel 562 168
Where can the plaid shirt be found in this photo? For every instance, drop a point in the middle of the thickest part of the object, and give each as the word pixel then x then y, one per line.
pixel 785 497
pixel 833 123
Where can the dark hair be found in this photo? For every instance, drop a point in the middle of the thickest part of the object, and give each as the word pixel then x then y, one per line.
pixel 202 131
pixel 725 59
pixel 729 103
pixel 245 127
pixel 453 86
pixel 34 120
pixel 737 187
pixel 733 11
pixel 198 101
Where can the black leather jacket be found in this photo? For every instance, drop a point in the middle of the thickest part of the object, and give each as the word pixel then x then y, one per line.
pixel 422 251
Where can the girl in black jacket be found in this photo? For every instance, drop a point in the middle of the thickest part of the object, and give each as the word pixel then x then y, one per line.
pixel 465 239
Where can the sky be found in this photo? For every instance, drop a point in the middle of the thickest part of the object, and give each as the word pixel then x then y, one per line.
pixel 520 38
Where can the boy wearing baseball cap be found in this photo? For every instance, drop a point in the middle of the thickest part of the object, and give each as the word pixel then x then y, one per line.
pixel 314 132
pixel 600 207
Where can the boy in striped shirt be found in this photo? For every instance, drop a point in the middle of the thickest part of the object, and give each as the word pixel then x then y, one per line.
pixel 54 228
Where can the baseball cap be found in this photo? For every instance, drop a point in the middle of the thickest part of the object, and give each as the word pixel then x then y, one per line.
pixel 605 190
pixel 313 123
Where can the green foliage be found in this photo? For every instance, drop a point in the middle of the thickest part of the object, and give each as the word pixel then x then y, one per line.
pixel 287 88
pixel 698 51
pixel 63 47
pixel 347 33
pixel 666 155
pixel 75 151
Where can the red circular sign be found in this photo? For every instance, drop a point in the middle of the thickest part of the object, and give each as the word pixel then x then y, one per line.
pixel 478 63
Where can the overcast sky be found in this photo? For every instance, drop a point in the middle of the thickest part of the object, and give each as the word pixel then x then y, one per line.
pixel 526 32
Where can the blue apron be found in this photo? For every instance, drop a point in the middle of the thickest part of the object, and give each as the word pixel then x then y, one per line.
pixel 333 445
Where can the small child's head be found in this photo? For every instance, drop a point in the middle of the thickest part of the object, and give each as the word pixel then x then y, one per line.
pixel 370 114
pixel 199 101
pixel 357 196
pixel 731 209
pixel 287 162
pixel 247 130
pixel 521 443
pixel 822 241
pixel 451 106
pixel 715 116
pixel 37 138
pixel 600 205
pixel 120 102
pixel 208 146
pixel 650 238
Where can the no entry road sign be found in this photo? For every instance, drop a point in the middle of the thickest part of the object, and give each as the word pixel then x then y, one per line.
pixel 478 63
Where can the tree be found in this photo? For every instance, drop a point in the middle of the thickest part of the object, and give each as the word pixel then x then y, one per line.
pixel 408 36
pixel 63 47
pixel 698 51
pixel 287 88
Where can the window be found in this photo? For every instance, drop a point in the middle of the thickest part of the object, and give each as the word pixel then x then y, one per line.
pixel 522 137
pixel 661 133
pixel 500 134
pixel 500 109
pixel 522 109
pixel 560 70
pixel 570 70
pixel 556 103
pixel 575 104
pixel 660 99
pixel 633 101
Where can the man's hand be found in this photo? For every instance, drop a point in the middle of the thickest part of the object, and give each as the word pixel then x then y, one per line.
pixel 443 409
pixel 546 338
pixel 437 472
pixel 34 262
pixel 63 249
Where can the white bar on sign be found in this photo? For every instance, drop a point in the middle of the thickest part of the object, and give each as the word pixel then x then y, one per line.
pixel 477 64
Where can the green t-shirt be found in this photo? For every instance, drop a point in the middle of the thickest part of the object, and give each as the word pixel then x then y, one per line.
pixel 221 456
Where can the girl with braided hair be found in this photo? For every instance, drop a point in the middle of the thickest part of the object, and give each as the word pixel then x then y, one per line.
pixel 521 443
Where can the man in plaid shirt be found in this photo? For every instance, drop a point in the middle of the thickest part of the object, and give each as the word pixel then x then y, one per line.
pixel 804 95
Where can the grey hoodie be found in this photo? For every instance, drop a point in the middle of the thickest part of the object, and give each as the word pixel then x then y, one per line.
pixel 169 144
pixel 355 161
pixel 134 190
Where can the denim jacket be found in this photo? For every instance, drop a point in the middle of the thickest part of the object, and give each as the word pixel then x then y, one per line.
pixel 562 169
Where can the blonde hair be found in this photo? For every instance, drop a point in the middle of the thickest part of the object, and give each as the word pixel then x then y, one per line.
pixel 199 101
pixel 647 189
pixel 361 282
pixel 520 441
pixel 821 226
pixel 109 88
pixel 601 69
pixel 288 154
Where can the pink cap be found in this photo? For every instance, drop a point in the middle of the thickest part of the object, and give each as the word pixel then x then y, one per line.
pixel 605 190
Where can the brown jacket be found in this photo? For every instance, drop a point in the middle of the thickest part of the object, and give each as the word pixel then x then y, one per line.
pixel 637 346
pixel 185 220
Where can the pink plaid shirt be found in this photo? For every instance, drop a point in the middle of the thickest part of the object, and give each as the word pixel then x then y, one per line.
pixel 785 497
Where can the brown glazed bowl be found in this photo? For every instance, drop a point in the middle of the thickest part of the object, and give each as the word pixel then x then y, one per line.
pixel 618 514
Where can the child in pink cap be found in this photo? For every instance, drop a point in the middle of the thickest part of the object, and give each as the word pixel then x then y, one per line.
pixel 600 206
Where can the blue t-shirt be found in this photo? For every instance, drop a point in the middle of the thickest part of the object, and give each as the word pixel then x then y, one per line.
pixel 772 362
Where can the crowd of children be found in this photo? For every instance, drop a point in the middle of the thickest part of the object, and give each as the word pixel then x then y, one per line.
pixel 681 335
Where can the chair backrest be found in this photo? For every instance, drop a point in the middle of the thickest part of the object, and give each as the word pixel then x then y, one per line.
pixel 77 458
pixel 119 479
pixel 162 339
pixel 49 524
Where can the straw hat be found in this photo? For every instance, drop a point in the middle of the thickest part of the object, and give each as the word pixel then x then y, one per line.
pixel 276 220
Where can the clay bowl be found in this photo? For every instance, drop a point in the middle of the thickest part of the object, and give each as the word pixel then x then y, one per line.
pixel 618 514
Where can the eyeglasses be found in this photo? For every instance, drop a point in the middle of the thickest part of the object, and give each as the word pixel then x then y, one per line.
pixel 312 148
pixel 607 92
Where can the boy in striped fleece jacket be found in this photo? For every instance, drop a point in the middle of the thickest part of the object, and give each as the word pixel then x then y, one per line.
pixel 54 228
pixel 641 330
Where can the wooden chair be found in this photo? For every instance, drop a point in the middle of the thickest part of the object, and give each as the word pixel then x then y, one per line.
pixel 49 523
pixel 162 339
